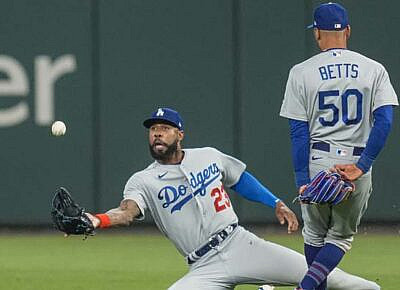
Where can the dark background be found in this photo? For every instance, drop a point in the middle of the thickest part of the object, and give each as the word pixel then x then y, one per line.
pixel 222 64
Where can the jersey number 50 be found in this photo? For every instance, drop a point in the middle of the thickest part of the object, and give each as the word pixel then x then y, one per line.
pixel 345 106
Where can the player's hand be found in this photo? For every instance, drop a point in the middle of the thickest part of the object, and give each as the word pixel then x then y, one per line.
pixel 348 171
pixel 300 192
pixel 95 220
pixel 283 213
pixel 302 188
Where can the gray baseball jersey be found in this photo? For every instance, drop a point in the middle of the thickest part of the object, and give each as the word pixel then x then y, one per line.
pixel 336 91
pixel 189 204
pixel 188 201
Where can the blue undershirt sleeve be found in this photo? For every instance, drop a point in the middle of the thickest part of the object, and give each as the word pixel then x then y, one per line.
pixel 383 117
pixel 250 188
pixel 300 139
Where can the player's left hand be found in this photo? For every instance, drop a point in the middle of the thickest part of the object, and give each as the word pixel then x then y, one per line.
pixel 95 221
pixel 302 188
pixel 283 213
pixel 68 216
pixel 349 172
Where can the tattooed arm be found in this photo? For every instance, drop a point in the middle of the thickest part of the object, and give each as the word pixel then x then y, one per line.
pixel 122 215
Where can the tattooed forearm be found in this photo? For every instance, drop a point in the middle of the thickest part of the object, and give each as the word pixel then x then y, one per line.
pixel 124 214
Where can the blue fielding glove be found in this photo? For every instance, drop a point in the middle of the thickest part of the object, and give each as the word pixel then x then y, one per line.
pixel 326 188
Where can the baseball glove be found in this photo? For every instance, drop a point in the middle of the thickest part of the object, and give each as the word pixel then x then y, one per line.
pixel 326 188
pixel 68 216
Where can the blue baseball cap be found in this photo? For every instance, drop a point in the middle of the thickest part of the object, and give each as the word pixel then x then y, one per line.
pixel 330 16
pixel 165 115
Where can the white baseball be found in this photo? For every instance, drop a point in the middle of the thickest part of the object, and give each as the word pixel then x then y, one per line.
pixel 58 128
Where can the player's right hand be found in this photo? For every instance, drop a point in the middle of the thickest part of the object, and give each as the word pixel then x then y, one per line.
pixel 349 172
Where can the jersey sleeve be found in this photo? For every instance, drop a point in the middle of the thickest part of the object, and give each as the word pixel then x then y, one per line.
pixel 232 169
pixel 385 94
pixel 293 105
pixel 133 191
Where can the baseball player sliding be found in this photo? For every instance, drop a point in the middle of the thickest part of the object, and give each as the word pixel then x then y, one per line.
pixel 185 191
pixel 339 105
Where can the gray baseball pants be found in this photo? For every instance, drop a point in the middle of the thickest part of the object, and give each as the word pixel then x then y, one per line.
pixel 244 258
pixel 335 224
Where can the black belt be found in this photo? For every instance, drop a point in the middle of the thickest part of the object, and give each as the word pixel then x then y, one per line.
pixel 214 241
pixel 323 146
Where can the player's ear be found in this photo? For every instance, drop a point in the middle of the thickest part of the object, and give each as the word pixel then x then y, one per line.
pixel 317 34
pixel 348 32
pixel 181 135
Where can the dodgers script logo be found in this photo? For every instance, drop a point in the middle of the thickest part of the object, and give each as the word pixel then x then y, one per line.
pixel 198 181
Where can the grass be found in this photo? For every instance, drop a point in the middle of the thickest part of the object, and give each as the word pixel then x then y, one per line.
pixel 149 261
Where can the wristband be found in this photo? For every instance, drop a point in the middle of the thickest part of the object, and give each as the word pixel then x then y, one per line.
pixel 104 220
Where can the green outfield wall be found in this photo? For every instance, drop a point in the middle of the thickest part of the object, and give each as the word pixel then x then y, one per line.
pixel 103 66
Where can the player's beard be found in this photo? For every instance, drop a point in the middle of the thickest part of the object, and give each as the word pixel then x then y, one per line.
pixel 164 155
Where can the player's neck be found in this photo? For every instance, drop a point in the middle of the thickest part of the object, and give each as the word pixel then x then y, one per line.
pixel 331 43
pixel 175 158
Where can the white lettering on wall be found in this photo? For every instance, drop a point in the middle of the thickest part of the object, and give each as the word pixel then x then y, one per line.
pixel 46 75
pixel 16 84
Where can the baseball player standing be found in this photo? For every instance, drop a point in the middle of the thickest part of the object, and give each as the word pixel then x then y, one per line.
pixel 339 104
pixel 185 191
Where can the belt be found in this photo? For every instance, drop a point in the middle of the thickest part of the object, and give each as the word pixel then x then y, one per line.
pixel 323 146
pixel 214 241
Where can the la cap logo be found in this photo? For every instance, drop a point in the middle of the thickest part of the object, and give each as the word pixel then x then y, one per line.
pixel 160 112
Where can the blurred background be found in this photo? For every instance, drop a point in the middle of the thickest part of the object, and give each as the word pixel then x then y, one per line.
pixel 103 66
